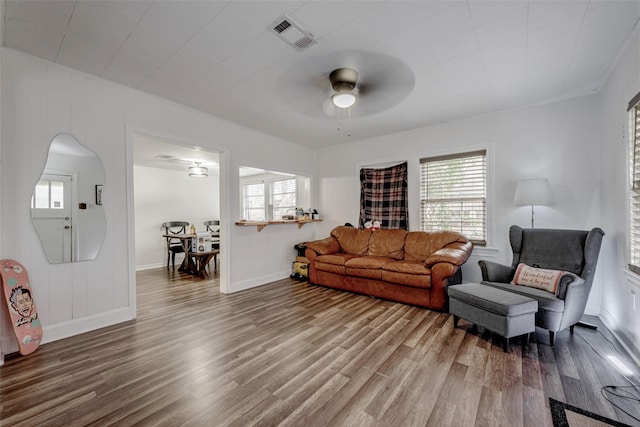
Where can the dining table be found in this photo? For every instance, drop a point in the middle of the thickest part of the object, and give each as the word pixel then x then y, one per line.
pixel 195 262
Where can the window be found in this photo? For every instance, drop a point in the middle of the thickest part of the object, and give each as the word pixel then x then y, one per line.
pixel 270 195
pixel 48 195
pixel 453 194
pixel 634 184
pixel 253 202
pixel 283 197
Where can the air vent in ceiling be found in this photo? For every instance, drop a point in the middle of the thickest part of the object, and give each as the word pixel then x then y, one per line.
pixel 292 33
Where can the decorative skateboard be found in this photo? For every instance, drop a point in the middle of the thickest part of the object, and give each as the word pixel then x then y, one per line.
pixel 22 308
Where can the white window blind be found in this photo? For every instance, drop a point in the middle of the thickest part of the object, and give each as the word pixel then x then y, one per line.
pixel 283 197
pixel 634 181
pixel 453 194
pixel 253 202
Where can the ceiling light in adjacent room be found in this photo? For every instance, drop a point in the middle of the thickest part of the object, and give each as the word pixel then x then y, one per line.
pixel 198 171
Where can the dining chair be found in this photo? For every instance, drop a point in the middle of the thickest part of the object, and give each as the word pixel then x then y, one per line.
pixel 213 226
pixel 174 245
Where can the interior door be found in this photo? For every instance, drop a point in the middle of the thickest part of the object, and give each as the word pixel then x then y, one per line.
pixel 51 213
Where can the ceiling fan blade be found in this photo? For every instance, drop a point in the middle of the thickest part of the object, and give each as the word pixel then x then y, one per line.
pixel 384 82
pixel 383 87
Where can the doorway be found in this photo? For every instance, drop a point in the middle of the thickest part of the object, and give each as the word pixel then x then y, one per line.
pixel 163 190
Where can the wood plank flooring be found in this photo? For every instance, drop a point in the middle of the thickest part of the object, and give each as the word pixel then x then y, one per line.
pixel 291 354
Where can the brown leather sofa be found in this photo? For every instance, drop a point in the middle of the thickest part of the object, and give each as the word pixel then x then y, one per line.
pixel 409 267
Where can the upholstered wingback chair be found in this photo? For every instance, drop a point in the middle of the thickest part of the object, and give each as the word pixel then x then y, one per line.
pixel 572 251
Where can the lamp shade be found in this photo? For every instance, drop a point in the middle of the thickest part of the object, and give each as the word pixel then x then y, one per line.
pixel 533 192
pixel 198 171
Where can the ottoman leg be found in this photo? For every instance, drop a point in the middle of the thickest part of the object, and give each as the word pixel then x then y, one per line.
pixel 455 321
pixel 526 340
pixel 505 345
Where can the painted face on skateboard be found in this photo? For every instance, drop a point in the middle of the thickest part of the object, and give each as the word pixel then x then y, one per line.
pixel 22 302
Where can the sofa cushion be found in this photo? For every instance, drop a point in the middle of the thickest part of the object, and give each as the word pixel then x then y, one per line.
pixel 419 245
pixel 372 262
pixel 333 263
pixel 352 240
pixel 331 268
pixel 369 267
pixel 387 243
pixel 546 300
pixel 540 278
pixel 412 280
pixel 407 267
pixel 367 273
pixel 335 259
pixel 407 273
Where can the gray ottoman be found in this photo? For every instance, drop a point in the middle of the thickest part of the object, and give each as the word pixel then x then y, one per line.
pixel 505 313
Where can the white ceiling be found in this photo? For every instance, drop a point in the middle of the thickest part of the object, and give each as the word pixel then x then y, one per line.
pixel 451 59
pixel 155 152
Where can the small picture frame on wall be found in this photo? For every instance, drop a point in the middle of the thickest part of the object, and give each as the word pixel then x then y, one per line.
pixel 99 194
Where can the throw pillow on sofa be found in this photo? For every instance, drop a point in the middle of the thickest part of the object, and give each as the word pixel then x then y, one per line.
pixel 540 278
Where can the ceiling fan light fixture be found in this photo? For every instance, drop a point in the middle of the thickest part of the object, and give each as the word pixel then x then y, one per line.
pixel 198 171
pixel 343 81
pixel 344 99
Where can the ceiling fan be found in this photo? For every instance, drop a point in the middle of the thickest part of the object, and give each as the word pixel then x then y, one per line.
pixel 364 83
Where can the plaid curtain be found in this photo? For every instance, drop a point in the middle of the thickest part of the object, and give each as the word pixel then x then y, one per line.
pixel 383 197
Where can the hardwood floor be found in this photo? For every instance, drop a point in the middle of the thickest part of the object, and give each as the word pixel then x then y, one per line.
pixel 292 354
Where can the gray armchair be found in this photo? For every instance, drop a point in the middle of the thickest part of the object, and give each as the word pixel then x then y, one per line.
pixel 573 251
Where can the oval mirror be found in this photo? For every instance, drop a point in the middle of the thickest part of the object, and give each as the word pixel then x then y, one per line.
pixel 66 206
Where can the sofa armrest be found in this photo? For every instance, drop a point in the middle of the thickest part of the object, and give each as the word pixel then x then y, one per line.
pixel 456 254
pixel 326 246
pixel 494 272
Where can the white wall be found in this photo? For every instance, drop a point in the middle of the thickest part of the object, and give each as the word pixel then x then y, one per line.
pixel 617 310
pixel 41 99
pixel 168 195
pixel 558 141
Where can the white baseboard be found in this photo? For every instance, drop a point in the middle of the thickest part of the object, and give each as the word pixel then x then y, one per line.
pixel 86 324
pixel 624 339
pixel 257 281
pixel 149 266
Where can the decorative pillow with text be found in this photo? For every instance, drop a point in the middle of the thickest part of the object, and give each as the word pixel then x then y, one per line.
pixel 547 280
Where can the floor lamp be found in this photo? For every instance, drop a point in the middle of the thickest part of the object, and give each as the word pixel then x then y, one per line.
pixel 533 192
